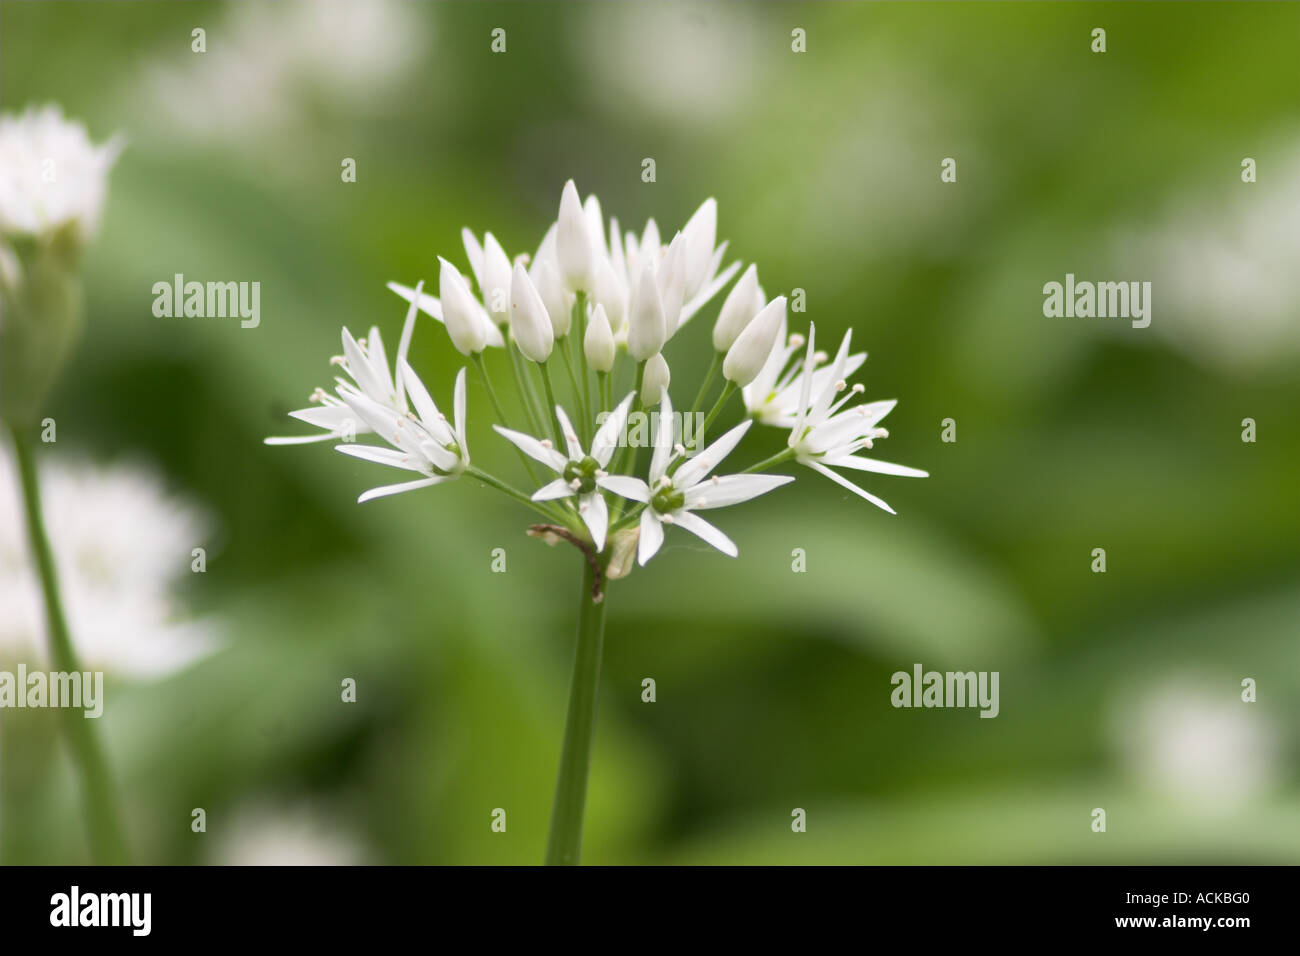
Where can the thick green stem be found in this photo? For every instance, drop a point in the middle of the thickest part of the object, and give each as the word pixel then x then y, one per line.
pixel 103 818
pixel 564 846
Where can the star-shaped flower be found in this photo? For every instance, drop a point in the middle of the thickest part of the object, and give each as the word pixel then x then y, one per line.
pixel 674 498
pixel 581 474
pixel 823 437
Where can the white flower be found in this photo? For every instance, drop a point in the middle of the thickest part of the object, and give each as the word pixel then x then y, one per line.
pixel 422 440
pixel 366 363
pixel 654 385
pixel 431 306
pixel 598 344
pixel 529 322
pixel 581 474
pixel 121 543
pixel 647 330
pixel 743 302
pixel 491 268
pixel 466 320
pixel 755 344
pixel 673 499
pixel 573 244
pixel 772 398
pixel 824 437
pixel 376 400
pixel 51 175
pixel 300 835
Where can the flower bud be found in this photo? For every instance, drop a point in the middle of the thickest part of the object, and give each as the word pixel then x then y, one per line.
pixel 496 280
pixel 462 315
pixel 598 345
pixel 529 322
pixel 737 310
pixel 672 283
pixel 749 352
pixel 654 384
pixel 701 233
pixel 573 240
pixel 611 294
pixel 646 332
pixel 558 299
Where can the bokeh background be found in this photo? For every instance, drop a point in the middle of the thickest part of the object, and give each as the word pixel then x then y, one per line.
pixel 1118 690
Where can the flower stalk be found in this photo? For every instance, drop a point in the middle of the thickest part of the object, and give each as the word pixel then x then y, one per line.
pixel 564 844
pixel 99 798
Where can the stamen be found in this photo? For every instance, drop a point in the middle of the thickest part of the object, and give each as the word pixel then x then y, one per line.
pixel 575 484
pixel 546 443
pixel 601 473
pixel 715 479
pixel 338 360
pixel 797 341
pixel 819 357
pixel 666 519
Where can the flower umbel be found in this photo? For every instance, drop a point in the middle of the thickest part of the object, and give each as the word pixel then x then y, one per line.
pixel 603 306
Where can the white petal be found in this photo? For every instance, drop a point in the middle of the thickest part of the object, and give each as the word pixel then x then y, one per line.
pixel 559 488
pixel 652 536
pixel 458 404
pixel 732 490
pixel 698 468
pixel 607 437
pixel 663 440
pixel 419 395
pixel 300 439
pixel 841 480
pixel 533 448
pixel 398 489
pixel 427 304
pixel 698 526
pixel 383 456
pixel 805 388
pixel 331 417
pixel 859 463
pixel 626 486
pixel 570 436
pixel 404 344
pixel 359 368
pixel 595 513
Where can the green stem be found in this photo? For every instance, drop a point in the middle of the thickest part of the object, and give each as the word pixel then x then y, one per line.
pixel 514 493
pixel 783 455
pixel 564 846
pixel 560 443
pixel 714 368
pixel 108 844
pixel 527 394
pixel 501 415
pixel 717 407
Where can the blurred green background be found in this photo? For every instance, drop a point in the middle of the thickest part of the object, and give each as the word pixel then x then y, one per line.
pixel 1118 690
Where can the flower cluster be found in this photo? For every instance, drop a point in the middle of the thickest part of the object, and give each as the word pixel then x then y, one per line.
pixel 605 304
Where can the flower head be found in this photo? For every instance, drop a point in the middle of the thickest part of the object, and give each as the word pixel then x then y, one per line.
pixel 52 177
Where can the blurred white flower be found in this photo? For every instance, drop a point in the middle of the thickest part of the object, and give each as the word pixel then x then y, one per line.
pixel 1227 271
pixel 303 835
pixel 713 47
pixel 1202 748
pixel 120 543
pixel 267 65
pixel 51 175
